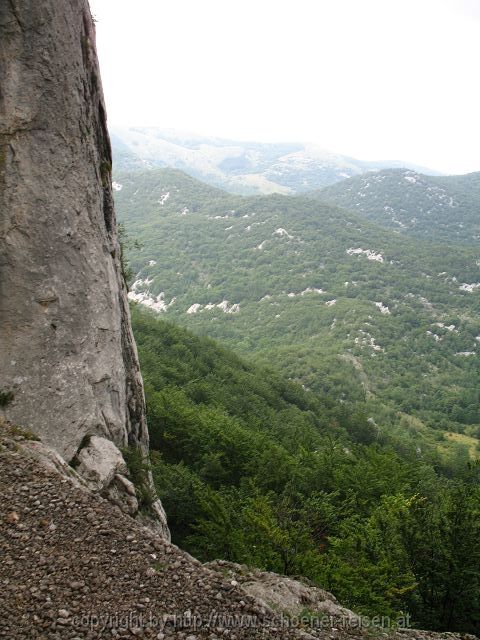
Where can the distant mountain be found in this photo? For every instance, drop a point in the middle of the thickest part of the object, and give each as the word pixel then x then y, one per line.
pixel 442 208
pixel 342 305
pixel 239 167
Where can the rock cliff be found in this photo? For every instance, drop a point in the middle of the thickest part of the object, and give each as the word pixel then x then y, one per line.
pixel 69 366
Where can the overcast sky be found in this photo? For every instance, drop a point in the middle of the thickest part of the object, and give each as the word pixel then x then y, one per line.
pixel 374 79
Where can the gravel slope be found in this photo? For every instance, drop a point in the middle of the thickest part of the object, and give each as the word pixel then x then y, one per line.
pixel 74 566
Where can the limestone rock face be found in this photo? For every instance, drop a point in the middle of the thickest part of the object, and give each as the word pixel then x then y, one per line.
pixel 68 355
pixel 69 364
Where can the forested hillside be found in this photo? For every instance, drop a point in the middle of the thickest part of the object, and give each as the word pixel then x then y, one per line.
pixel 442 208
pixel 253 468
pixel 342 305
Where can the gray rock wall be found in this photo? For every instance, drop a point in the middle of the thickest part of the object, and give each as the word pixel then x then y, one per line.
pixel 66 346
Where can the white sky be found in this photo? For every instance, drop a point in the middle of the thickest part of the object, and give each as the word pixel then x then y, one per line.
pixel 374 79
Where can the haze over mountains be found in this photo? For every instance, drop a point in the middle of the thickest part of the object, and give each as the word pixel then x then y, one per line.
pixel 240 167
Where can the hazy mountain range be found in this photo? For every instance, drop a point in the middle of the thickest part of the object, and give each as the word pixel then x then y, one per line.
pixel 240 167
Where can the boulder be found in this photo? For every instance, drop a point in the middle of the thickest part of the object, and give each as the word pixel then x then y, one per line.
pixel 283 594
pixel 98 462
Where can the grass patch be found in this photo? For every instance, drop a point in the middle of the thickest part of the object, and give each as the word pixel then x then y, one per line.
pixel 6 397
pixel 469 441
pixel 138 465
pixel 26 434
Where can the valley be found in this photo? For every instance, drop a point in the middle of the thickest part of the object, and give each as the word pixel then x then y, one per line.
pixel 331 429
pixel 337 303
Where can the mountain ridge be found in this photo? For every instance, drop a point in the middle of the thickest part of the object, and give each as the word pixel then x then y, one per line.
pixel 442 208
pixel 238 166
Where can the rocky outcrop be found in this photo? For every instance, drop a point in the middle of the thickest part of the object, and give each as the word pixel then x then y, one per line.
pixel 103 468
pixel 283 594
pixel 69 363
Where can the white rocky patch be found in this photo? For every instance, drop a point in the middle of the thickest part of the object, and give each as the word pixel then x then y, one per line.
pixel 450 327
pixel 225 306
pixel 262 244
pixel 139 283
pixel 311 290
pixel 157 303
pixel 411 179
pixel 291 294
pixel 228 214
pixel 366 340
pixel 436 337
pixel 469 288
pixel 282 233
pixel 268 296
pixel 330 303
pixel 164 197
pixel 152 263
pixel 368 253
pixel 184 211
pixel 116 186
pixel 383 309
pixel 141 294
pixel 465 353
pixel 194 308
pixel 426 304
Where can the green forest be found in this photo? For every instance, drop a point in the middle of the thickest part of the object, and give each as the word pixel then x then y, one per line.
pixel 252 468
pixel 333 431
pixel 336 302
pixel 443 208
